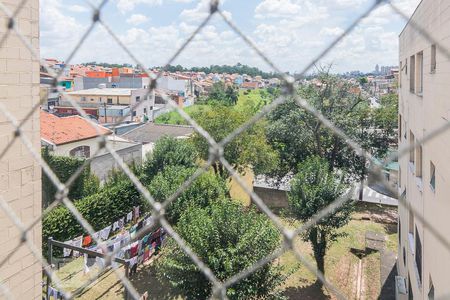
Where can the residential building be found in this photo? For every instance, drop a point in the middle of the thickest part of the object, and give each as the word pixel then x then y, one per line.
pixel 424 174
pixel 20 173
pixel 103 97
pixel 77 137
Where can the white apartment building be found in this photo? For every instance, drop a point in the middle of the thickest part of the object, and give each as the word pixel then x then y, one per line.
pixel 424 175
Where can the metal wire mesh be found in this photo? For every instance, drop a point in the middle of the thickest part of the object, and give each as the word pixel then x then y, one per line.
pixel 216 153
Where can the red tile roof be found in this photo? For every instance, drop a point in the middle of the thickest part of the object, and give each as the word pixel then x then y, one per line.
pixel 253 85
pixel 68 129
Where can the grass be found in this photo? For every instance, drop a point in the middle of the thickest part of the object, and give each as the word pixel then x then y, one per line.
pixel 341 265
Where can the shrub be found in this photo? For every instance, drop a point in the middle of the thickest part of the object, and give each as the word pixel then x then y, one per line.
pixel 100 210
pixel 206 189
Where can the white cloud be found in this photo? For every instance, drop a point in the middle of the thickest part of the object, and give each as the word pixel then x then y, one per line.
pixel 277 8
pixel 137 19
pixel 78 8
pixel 128 5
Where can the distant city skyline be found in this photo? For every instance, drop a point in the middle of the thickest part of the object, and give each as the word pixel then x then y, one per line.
pixel 154 29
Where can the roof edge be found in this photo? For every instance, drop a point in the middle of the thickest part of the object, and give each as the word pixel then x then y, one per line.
pixel 410 18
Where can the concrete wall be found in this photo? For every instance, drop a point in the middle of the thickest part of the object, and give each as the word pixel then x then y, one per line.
pixel 20 175
pixel 421 113
pixel 102 165
pixel 272 198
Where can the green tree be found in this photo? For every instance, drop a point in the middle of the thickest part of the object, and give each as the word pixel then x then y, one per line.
pixel 64 167
pixel 205 189
pixel 228 239
pixel 312 189
pixel 222 94
pixel 168 152
pixel 363 81
pixel 296 134
pixel 248 149
pixel 385 122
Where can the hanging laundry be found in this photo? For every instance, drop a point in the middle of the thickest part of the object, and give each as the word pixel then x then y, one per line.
pixel 104 233
pixel 140 259
pixel 125 239
pixel 89 261
pixel 139 225
pixel 77 242
pixel 96 236
pixel 87 240
pixel 67 251
pixel 100 261
pixel 136 213
pixel 115 226
pixel 146 253
pixel 52 294
pixel 134 249
pixel 129 216
pixel 121 223
pixel 133 265
pixel 116 247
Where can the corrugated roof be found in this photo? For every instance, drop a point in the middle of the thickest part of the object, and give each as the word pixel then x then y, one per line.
pixel 68 129
pixel 150 132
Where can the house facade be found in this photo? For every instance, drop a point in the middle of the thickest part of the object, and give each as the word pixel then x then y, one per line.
pixel 424 174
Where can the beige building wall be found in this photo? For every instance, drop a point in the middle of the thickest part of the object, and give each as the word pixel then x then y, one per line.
pixel 20 175
pixel 424 107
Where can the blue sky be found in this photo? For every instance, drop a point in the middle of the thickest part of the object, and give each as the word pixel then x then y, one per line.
pixel 289 32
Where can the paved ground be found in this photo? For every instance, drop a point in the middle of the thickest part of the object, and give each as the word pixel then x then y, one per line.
pixel 388 273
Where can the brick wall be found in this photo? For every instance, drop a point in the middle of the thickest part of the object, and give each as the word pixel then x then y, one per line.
pixel 20 175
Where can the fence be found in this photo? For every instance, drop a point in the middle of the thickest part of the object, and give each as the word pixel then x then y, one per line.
pixel 216 151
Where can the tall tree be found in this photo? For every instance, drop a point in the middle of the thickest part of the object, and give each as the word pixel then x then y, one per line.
pixel 222 94
pixel 297 134
pixel 313 189
pixel 248 149
pixel 228 238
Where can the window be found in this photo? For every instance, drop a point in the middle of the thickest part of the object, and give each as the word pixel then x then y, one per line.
pixel 419 161
pixel 404 256
pixel 83 98
pixel 138 98
pixel 431 291
pixel 406 67
pixel 432 176
pixel 433 59
pixel 412 74
pixel 419 73
pixel 109 101
pixel 134 114
pixel 145 110
pixel 400 74
pixel 411 144
pixel 400 127
pixel 418 255
pixel 411 232
pixel 81 151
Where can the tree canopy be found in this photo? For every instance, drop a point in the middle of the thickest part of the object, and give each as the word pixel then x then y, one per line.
pixel 248 149
pixel 222 94
pixel 228 239
pixel 205 189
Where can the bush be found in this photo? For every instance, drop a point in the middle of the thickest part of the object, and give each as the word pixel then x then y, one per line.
pixel 206 189
pixel 100 210
pixel 64 167
pixel 168 152
pixel 228 239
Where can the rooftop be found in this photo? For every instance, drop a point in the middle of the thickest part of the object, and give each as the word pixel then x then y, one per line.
pixel 65 130
pixel 150 132
pixel 103 92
